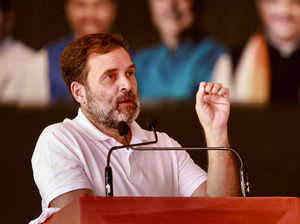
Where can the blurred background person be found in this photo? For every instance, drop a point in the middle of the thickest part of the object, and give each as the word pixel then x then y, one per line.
pixel 14 56
pixel 186 56
pixel 46 85
pixel 266 69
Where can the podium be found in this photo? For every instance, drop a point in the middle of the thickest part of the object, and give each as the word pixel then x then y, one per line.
pixel 231 210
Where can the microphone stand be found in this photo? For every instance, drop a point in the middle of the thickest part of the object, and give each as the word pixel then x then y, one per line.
pixel 109 192
pixel 245 189
pixel 244 183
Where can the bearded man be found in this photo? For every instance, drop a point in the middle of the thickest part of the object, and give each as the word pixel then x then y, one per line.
pixel 70 157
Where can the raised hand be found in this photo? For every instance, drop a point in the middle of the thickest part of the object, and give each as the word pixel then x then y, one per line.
pixel 213 107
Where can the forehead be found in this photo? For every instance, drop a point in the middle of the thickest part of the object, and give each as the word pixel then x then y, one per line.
pixel 116 59
pixel 278 6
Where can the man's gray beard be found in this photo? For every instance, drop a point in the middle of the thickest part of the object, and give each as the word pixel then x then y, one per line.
pixel 108 114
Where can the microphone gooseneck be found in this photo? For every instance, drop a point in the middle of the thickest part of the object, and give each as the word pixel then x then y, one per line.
pixel 244 183
pixel 108 176
pixel 123 131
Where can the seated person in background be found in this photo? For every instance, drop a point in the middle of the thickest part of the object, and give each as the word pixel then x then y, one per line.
pixel 70 157
pixel 174 68
pixel 14 57
pixel 267 70
pixel 85 17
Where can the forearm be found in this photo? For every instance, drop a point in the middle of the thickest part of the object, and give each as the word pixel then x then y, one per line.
pixel 223 177
pixel 216 137
pixel 213 108
pixel 64 199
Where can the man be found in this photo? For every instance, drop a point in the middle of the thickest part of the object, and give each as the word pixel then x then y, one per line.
pixel 85 17
pixel 266 70
pixel 185 57
pixel 14 57
pixel 70 157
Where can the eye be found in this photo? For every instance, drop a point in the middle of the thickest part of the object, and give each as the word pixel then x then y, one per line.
pixel 131 73
pixel 109 77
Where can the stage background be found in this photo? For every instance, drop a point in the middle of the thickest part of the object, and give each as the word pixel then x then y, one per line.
pixel 41 22
pixel 267 138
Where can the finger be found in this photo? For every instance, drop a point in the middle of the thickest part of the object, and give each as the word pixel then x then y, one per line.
pixel 202 87
pixel 214 99
pixel 223 92
pixel 216 87
pixel 208 87
pixel 201 92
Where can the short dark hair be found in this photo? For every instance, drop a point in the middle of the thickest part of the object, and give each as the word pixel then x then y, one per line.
pixel 74 58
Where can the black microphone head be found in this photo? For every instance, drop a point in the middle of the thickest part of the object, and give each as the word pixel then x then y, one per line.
pixel 151 123
pixel 123 128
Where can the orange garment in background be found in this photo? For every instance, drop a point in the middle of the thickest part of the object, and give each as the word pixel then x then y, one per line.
pixel 252 83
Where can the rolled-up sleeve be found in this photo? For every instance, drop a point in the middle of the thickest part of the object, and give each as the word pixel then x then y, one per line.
pixel 56 167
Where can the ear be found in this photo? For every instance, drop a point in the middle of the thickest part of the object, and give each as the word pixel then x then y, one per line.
pixel 78 92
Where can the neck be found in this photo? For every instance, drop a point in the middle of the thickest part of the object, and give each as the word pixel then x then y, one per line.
pixel 109 131
pixel 171 40
pixel 285 47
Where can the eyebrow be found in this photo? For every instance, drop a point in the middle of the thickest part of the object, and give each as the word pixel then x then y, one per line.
pixel 115 69
pixel 132 66
pixel 109 71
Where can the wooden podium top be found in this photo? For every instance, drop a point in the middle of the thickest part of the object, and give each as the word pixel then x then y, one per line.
pixel 233 210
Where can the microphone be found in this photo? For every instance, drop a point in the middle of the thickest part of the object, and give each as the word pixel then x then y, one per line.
pixel 244 183
pixel 123 131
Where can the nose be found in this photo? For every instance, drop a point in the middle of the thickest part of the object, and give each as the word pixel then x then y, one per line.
pixel 125 83
pixel 88 10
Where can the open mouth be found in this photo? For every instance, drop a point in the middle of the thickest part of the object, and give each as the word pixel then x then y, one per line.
pixel 127 101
